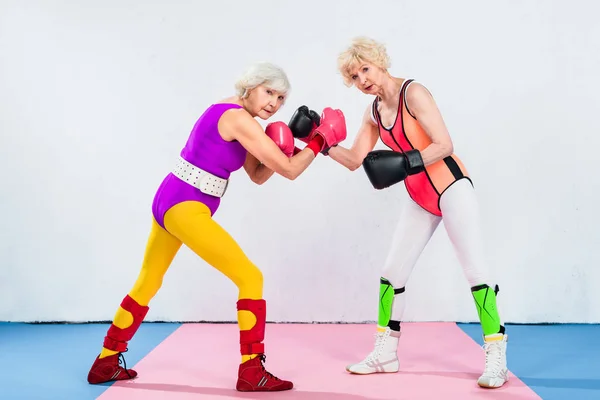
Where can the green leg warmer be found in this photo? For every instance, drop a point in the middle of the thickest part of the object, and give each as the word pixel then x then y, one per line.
pixel 485 301
pixel 386 301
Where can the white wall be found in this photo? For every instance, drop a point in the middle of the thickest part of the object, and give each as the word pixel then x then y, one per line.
pixel 95 94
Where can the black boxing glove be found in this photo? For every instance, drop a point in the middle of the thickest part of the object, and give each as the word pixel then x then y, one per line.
pixel 303 122
pixel 385 168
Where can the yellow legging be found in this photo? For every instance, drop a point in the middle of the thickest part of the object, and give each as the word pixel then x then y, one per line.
pixel 191 223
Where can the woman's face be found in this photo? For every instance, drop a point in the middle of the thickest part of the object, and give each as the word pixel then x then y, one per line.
pixel 367 77
pixel 264 102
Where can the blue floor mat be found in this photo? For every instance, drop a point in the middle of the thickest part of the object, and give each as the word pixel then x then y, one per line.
pixel 51 361
pixel 559 362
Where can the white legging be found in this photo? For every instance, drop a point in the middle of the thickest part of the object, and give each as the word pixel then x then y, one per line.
pixel 415 228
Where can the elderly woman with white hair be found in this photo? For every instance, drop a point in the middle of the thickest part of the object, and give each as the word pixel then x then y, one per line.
pixel 405 116
pixel 224 139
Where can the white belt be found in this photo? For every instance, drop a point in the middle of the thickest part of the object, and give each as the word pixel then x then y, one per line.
pixel 205 181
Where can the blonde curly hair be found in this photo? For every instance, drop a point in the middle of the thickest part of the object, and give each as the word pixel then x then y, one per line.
pixel 362 49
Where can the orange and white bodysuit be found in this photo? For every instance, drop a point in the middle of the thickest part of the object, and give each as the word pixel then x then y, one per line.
pixel 406 134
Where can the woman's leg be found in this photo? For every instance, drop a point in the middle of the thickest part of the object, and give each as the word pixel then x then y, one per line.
pixel 413 231
pixel 161 248
pixel 192 223
pixel 461 218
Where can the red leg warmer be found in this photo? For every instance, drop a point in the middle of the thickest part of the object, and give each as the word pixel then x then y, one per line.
pixel 116 339
pixel 251 339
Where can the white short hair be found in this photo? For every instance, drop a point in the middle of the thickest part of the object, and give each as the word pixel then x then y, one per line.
pixel 263 73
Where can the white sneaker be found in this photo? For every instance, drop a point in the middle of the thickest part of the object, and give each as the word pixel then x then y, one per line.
pixel 496 372
pixel 383 358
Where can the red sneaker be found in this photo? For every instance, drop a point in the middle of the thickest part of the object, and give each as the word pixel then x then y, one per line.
pixel 253 377
pixel 108 369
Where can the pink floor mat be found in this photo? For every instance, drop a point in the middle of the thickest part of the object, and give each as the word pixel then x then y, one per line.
pixel 200 361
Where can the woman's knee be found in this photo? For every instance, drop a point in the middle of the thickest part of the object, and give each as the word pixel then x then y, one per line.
pixel 396 279
pixel 252 275
pixel 250 281
pixel 146 287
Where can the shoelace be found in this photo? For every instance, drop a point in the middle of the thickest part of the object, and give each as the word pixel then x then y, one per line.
pixel 493 357
pixel 122 361
pixel 379 342
pixel 263 359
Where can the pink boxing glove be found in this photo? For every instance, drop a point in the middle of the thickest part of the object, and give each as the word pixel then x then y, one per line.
pixel 332 128
pixel 282 136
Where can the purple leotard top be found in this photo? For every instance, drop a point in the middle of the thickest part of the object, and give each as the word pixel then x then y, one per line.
pixel 207 150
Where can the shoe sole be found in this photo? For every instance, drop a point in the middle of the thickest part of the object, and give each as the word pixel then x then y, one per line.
pixel 483 385
pixel 371 373
pixel 264 390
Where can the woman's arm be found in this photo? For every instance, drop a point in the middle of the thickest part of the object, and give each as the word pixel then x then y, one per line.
pixel 239 125
pixel 365 141
pixel 422 105
pixel 259 173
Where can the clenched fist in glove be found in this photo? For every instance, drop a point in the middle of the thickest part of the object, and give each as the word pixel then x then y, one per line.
pixel 282 136
pixel 332 128
pixel 303 123
pixel 385 168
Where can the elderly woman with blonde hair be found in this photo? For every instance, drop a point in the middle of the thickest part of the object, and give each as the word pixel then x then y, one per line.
pixel 421 154
pixel 224 139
